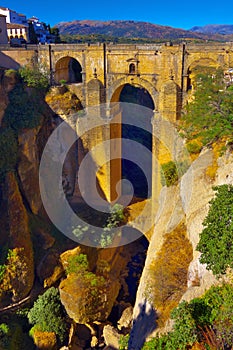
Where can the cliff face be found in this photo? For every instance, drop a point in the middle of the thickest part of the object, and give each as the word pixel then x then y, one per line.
pixel 186 203
pixel 20 195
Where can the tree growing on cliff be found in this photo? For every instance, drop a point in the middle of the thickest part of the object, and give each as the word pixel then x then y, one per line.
pixel 216 239
pixel 209 116
pixel 35 77
pixel 47 315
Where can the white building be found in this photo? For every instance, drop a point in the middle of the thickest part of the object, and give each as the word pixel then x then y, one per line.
pixel 13 16
pixel 3 30
pixel 43 35
pixel 17 25
pixel 17 31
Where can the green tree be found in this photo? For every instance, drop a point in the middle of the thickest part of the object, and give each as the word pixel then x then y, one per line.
pixel 47 314
pixel 34 77
pixel 32 34
pixel 9 151
pixel 115 219
pixel 216 239
pixel 55 31
pixel 4 335
pixel 210 115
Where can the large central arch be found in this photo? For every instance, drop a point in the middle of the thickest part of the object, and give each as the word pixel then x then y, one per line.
pixel 136 94
pixel 68 69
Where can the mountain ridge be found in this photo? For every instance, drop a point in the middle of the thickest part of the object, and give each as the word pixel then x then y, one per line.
pixel 138 29
pixel 223 29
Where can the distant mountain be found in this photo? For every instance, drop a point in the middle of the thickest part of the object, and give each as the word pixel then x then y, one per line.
pixel 126 29
pixel 223 29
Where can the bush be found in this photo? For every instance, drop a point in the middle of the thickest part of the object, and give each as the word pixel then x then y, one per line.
pixel 4 335
pixel 9 151
pixel 115 219
pixel 208 320
pixel 169 174
pixel 77 264
pixel 215 242
pixel 33 77
pixel 194 147
pixel 23 111
pixel 47 314
pixel 209 116
pixel 123 342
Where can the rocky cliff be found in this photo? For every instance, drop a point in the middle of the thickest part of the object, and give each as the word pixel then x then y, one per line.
pixel 20 197
pixel 186 204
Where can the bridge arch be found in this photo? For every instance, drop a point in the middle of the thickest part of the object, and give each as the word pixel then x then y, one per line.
pixel 195 67
pixel 140 132
pixel 68 69
pixel 116 88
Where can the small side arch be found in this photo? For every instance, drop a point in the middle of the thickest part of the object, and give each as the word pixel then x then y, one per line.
pixel 68 69
pixel 196 67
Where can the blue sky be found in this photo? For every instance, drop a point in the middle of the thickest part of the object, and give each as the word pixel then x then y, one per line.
pixel 178 14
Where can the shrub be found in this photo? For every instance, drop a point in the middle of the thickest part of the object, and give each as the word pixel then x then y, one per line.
pixel 208 319
pixel 169 174
pixel 47 313
pixel 215 242
pixel 23 111
pixel 4 335
pixel 209 116
pixel 34 77
pixel 9 151
pixel 77 264
pixel 194 147
pixel 115 219
pixel 123 342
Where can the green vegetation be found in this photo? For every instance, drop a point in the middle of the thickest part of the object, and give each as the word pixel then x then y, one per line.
pixel 120 39
pixel 209 116
pixel 172 171
pixel 123 342
pixel 194 147
pixel 216 238
pixel 23 111
pixel 169 174
pixel 77 264
pixel 46 315
pixel 207 321
pixel 34 77
pixel 9 151
pixel 115 219
pixel 4 335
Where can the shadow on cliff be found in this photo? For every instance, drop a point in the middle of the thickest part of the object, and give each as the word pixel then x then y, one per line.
pixel 8 62
pixel 143 326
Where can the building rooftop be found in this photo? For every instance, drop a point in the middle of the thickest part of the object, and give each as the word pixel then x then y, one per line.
pixel 15 26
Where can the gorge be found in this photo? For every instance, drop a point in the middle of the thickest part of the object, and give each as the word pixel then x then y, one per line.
pixel 106 292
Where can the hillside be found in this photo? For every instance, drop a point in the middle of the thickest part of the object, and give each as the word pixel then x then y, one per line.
pixel 222 29
pixel 126 29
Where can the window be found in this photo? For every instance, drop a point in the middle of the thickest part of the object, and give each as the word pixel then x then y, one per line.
pixel 132 68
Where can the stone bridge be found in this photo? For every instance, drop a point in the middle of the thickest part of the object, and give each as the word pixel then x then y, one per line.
pixel 99 73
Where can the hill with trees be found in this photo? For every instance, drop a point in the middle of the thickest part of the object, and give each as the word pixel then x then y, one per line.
pixel 78 30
